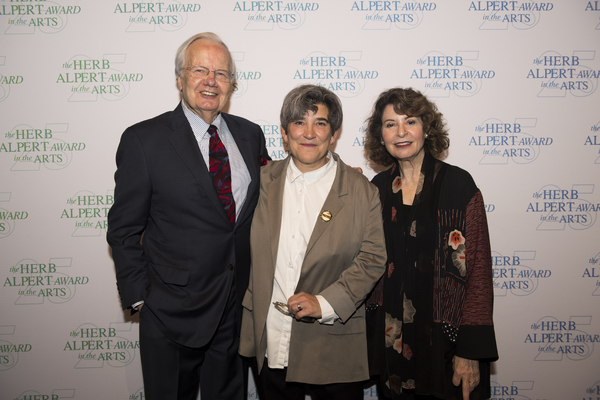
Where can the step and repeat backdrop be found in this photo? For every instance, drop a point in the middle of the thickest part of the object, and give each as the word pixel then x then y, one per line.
pixel 517 82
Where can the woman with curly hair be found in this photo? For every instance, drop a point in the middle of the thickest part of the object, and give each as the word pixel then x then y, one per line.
pixel 432 334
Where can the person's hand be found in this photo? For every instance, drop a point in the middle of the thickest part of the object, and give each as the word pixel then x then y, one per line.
pixel 467 371
pixel 309 306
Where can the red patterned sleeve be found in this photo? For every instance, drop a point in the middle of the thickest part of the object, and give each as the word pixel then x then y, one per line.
pixel 480 292
pixel 476 334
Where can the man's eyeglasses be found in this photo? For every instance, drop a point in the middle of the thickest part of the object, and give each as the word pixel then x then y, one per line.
pixel 197 71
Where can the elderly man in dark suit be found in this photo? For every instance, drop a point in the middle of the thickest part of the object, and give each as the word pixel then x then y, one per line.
pixel 317 251
pixel 186 187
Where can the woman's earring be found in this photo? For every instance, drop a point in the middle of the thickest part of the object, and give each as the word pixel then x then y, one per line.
pixel 383 144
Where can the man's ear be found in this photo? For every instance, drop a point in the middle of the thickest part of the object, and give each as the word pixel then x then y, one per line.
pixel 233 87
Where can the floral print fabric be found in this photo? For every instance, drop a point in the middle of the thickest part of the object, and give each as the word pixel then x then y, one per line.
pixel 415 313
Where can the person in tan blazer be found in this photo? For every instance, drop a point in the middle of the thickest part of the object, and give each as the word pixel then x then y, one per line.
pixel 317 250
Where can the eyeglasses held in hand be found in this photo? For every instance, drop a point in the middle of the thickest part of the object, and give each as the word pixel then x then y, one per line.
pixel 283 308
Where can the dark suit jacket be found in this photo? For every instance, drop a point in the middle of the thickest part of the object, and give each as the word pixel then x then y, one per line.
pixel 344 259
pixel 190 254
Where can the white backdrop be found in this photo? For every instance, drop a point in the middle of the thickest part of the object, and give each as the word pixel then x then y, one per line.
pixel 516 80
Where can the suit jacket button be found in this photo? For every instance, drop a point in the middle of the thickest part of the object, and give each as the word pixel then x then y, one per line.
pixel 230 267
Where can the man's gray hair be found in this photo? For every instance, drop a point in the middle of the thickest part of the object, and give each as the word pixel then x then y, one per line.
pixel 213 37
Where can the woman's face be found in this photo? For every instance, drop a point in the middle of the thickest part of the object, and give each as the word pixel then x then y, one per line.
pixel 309 139
pixel 403 136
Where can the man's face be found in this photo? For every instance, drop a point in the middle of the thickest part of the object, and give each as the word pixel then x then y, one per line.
pixel 205 96
pixel 309 139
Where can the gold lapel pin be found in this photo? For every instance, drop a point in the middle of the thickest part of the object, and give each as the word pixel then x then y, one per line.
pixel 326 216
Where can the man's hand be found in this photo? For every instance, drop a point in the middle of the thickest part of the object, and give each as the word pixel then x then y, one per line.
pixel 309 306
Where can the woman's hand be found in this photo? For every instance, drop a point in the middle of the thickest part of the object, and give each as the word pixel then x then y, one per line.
pixel 304 305
pixel 467 371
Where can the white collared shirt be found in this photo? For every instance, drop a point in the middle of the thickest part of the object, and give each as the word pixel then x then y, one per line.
pixel 303 198
pixel 240 177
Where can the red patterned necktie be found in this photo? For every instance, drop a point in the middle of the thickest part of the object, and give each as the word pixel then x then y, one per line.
pixel 220 171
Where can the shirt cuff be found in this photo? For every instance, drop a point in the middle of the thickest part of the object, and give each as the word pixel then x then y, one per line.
pixel 135 306
pixel 328 315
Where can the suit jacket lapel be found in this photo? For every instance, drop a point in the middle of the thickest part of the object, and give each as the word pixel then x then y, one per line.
pixel 183 140
pixel 245 149
pixel 333 204
pixel 275 190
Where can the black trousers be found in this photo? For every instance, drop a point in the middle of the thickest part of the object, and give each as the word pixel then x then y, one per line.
pixel 275 387
pixel 175 372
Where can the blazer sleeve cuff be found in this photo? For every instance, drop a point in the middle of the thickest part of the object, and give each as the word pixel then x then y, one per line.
pixel 337 297
pixel 477 343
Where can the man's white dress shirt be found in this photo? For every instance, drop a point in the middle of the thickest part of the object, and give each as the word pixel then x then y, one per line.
pixel 240 177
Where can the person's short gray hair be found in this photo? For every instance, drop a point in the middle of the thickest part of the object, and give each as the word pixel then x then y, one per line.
pixel 213 37
pixel 306 97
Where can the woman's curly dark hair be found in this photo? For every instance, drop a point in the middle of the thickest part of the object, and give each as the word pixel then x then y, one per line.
pixel 411 103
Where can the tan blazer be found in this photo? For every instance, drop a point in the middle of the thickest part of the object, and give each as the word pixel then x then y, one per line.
pixel 344 259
